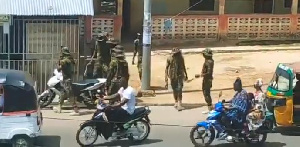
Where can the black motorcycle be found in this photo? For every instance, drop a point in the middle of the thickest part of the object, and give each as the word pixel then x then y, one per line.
pixel 137 128
pixel 85 91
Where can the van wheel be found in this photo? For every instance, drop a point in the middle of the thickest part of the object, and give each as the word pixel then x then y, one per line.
pixel 22 141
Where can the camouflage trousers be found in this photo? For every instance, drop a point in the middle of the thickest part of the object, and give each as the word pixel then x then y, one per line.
pixel 97 70
pixel 140 70
pixel 177 85
pixel 100 70
pixel 113 88
pixel 67 93
pixel 206 87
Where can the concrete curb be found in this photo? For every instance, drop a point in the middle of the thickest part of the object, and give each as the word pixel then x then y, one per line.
pixel 225 50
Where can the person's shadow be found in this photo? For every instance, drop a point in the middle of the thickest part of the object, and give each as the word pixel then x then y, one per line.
pixel 127 143
pixel 48 141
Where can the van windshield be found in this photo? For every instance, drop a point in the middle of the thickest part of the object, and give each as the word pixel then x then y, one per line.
pixel 280 80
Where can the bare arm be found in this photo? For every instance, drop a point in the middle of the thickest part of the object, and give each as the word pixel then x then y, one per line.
pixel 114 96
pixel 123 102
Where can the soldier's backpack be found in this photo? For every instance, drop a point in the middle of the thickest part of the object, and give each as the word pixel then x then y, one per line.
pixel 122 69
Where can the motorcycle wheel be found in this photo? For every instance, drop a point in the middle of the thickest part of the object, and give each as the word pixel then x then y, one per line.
pixel 200 134
pixel 269 124
pixel 144 135
pixel 90 133
pixel 46 100
pixel 258 141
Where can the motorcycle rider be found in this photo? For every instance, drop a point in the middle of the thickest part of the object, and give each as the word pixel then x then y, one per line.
pixel 120 112
pixel 239 106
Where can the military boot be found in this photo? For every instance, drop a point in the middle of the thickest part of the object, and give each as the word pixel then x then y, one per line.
pixel 57 109
pixel 176 105
pixel 179 107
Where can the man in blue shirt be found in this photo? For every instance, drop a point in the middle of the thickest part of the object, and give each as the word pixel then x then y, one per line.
pixel 239 105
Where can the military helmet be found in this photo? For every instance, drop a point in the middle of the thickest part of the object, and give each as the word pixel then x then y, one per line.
pixel 65 50
pixel 112 42
pixel 207 52
pixel 175 50
pixel 118 48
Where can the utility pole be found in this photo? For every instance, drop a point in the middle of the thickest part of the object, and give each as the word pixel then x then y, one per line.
pixel 146 61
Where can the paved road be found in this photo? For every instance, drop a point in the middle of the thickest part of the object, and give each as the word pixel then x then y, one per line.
pixel 61 133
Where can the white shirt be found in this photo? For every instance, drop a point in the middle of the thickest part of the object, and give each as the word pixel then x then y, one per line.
pixel 129 94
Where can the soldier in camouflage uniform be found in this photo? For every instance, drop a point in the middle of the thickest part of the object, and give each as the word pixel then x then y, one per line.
pixel 139 64
pixel 176 71
pixel 66 65
pixel 138 45
pixel 118 68
pixel 100 48
pixel 207 74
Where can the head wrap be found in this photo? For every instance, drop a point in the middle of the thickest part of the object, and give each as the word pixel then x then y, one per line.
pixel 258 82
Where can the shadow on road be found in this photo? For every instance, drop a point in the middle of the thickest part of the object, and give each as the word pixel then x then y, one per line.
pixel 199 90
pixel 127 143
pixel 267 144
pixel 48 141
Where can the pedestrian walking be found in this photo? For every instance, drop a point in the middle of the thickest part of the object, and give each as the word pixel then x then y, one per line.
pixel 118 68
pixel 66 65
pixel 138 45
pixel 207 74
pixel 176 72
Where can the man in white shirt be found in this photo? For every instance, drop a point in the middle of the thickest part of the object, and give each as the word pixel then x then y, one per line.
pixel 121 112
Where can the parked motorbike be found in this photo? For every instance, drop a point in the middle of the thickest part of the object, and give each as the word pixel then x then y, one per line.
pixel 137 128
pixel 54 89
pixel 84 91
pixel 213 128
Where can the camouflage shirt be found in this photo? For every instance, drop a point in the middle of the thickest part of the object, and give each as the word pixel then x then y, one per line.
pixel 208 68
pixel 117 69
pixel 67 67
pixel 137 44
pixel 175 68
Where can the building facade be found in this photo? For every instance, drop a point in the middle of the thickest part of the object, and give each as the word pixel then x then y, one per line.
pixel 32 34
pixel 220 19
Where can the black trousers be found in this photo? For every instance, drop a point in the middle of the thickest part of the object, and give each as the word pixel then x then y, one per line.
pixel 119 115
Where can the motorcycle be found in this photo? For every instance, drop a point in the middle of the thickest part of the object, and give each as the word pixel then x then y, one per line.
pixel 84 91
pixel 213 128
pixel 137 128
pixel 54 90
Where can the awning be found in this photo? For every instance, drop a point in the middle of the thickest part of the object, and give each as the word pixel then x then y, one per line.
pixel 46 7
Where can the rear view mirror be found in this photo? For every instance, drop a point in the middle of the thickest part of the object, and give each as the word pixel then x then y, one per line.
pixel 220 94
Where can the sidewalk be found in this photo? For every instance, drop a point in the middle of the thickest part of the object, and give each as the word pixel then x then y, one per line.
pixel 231 49
pixel 227 68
